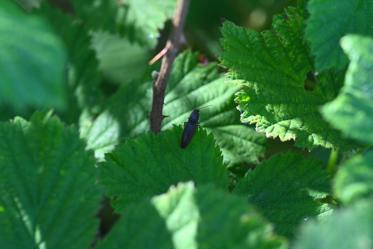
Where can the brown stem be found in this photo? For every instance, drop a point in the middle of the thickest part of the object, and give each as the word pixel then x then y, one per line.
pixel 172 47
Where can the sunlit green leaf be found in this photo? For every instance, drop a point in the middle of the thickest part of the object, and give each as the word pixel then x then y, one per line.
pixel 281 94
pixel 352 110
pixel 347 228
pixel 354 179
pixel 101 134
pixel 186 217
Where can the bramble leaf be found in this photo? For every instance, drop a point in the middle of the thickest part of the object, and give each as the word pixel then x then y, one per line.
pixel 27 47
pixel 98 15
pixel 186 217
pixel 329 21
pixel 101 135
pixel 354 179
pixel 191 85
pixel 277 71
pixel 48 195
pixel 29 4
pixel 125 115
pixel 285 188
pixel 138 20
pixel 83 76
pixel 352 110
pixel 147 18
pixel 149 164
pixel 119 59
pixel 239 143
pixel 351 227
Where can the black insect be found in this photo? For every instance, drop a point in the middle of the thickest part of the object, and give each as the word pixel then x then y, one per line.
pixel 190 128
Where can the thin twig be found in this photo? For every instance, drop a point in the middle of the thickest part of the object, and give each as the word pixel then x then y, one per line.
pixel 172 47
pixel 158 56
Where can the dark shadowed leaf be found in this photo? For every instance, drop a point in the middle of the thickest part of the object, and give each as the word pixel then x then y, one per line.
pixel 27 47
pixel 285 190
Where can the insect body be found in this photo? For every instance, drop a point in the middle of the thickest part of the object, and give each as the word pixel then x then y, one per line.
pixel 190 128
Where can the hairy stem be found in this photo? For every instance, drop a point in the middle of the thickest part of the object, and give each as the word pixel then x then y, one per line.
pixel 172 47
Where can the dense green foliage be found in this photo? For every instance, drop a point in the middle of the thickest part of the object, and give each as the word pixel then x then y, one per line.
pixel 282 156
pixel 189 218
pixel 271 187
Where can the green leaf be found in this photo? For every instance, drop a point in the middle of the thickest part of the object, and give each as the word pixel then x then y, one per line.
pixel 48 196
pixel 285 188
pixel 101 134
pixel 98 14
pixel 239 143
pixel 28 46
pixel 347 228
pixel 149 164
pixel 29 4
pixel 352 110
pixel 276 69
pixel 120 60
pixel 145 19
pixel 191 85
pixel 189 218
pixel 354 179
pixel 137 20
pixel 124 116
pixel 329 21
pixel 83 76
